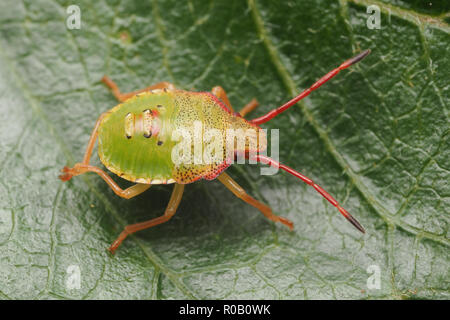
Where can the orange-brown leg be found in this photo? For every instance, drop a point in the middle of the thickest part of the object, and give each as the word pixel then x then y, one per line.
pixel 170 211
pixel 240 193
pixel 249 107
pixel 82 167
pixel 220 93
pixel 126 95
pixel 92 139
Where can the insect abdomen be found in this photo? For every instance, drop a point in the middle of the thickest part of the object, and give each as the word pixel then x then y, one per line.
pixel 134 138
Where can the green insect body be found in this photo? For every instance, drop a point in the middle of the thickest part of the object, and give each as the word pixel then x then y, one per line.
pixel 135 137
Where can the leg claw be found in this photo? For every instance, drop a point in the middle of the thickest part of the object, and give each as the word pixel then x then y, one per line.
pixel 112 250
pixel 287 223
pixel 66 174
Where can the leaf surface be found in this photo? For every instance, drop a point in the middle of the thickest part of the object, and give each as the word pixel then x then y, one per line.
pixel 376 137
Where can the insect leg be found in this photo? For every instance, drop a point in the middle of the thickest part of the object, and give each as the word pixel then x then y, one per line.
pixel 68 173
pixel 220 93
pixel 81 168
pixel 126 95
pixel 87 155
pixel 319 189
pixel 170 211
pixel 92 139
pixel 249 107
pixel 240 193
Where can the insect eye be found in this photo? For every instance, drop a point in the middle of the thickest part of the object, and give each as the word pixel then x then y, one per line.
pixel 129 125
pixel 147 119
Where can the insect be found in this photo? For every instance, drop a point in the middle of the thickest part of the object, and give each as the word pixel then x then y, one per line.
pixel 134 142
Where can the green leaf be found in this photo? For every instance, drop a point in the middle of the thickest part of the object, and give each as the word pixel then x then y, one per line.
pixel 376 137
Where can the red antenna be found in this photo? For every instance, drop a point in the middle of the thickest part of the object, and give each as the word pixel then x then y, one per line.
pixel 319 189
pixel 321 81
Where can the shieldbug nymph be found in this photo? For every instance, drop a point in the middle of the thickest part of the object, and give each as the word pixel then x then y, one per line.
pixel 134 142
